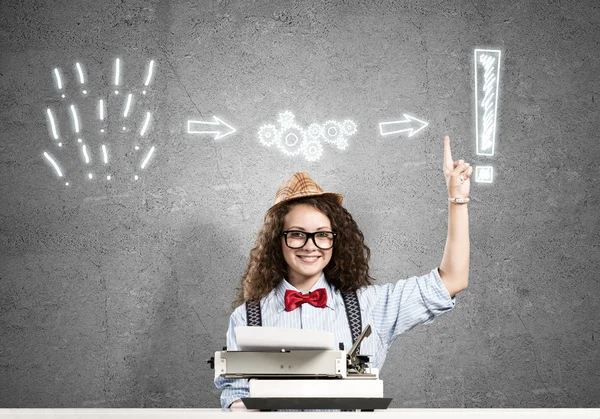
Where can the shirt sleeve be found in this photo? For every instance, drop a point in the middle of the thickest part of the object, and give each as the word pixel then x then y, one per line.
pixel 402 305
pixel 233 389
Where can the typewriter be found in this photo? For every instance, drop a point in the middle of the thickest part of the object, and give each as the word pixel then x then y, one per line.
pixel 305 378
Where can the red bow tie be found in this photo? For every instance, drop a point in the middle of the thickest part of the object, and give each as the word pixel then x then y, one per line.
pixel 294 299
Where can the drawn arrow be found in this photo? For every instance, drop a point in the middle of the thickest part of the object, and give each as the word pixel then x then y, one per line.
pixel 207 127
pixel 407 124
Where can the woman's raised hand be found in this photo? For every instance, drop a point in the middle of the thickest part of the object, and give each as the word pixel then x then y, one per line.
pixel 457 173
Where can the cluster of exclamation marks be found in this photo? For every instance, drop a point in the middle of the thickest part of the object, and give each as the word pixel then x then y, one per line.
pixel 94 143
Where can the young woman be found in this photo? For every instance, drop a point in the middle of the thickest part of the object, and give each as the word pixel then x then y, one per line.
pixel 310 253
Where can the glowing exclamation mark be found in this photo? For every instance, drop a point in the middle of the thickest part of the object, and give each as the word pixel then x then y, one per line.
pixel 117 74
pixel 75 119
pixel 487 83
pixel 145 126
pixel 104 154
pixel 58 79
pixel 148 157
pixel 52 124
pixel 85 154
pixel 51 160
pixel 81 78
pixel 149 76
pixel 127 105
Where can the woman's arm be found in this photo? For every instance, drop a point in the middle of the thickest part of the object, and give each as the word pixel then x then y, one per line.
pixel 454 269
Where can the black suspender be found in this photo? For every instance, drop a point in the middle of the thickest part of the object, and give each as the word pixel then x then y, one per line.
pixel 350 298
pixel 353 314
pixel 253 313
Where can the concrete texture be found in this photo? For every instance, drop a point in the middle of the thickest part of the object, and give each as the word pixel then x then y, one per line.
pixel 114 294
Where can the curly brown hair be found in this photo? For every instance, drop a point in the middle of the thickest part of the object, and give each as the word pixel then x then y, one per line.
pixel 347 270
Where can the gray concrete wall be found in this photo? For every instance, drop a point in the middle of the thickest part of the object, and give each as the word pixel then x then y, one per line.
pixel 114 293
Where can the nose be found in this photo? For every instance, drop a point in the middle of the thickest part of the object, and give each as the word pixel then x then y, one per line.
pixel 310 244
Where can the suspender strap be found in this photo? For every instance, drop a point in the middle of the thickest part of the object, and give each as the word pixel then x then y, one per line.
pixel 253 313
pixel 353 314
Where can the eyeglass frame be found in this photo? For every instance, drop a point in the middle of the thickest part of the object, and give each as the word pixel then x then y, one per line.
pixel 308 236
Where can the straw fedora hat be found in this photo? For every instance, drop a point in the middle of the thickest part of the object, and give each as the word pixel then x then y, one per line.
pixel 300 185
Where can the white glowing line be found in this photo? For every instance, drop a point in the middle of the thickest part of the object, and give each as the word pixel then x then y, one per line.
pixel 195 127
pixel 58 172
pixel 117 71
pixel 402 126
pixel 105 154
pixel 127 105
pixel 85 154
pixel 148 157
pixel 150 69
pixel 52 124
pixel 101 107
pixel 490 61
pixel 58 79
pixel 81 80
pixel 145 124
pixel 75 118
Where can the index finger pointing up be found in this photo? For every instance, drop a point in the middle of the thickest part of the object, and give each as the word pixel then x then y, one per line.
pixel 448 162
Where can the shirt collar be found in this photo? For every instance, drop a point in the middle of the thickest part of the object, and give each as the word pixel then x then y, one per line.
pixel 284 285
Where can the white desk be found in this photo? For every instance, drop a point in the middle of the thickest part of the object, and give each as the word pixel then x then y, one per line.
pixel 244 414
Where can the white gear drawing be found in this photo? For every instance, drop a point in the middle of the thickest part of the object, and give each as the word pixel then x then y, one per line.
pixel 269 135
pixel 332 131
pixel 314 131
pixel 349 127
pixel 342 143
pixel 286 119
pixel 312 150
pixel 291 140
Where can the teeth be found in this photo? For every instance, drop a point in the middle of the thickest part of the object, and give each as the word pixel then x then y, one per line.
pixel 308 258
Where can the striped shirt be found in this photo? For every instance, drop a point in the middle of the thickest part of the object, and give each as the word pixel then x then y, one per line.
pixel 390 309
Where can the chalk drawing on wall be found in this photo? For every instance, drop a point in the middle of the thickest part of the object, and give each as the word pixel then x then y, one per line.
pixel 291 139
pixel 58 79
pixel 484 174
pixel 90 134
pixel 82 78
pixel 487 85
pixel 217 127
pixel 487 77
pixel 149 76
pixel 117 74
pixel 409 124
pixel 53 163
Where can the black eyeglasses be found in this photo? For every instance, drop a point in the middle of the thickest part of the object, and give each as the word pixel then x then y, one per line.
pixel 295 239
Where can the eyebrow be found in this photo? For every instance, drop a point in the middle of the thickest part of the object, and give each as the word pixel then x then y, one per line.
pixel 300 228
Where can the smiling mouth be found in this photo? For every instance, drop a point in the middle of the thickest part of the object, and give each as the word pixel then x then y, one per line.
pixel 309 259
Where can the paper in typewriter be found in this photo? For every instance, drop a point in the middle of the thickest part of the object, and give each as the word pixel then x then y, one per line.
pixel 251 338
